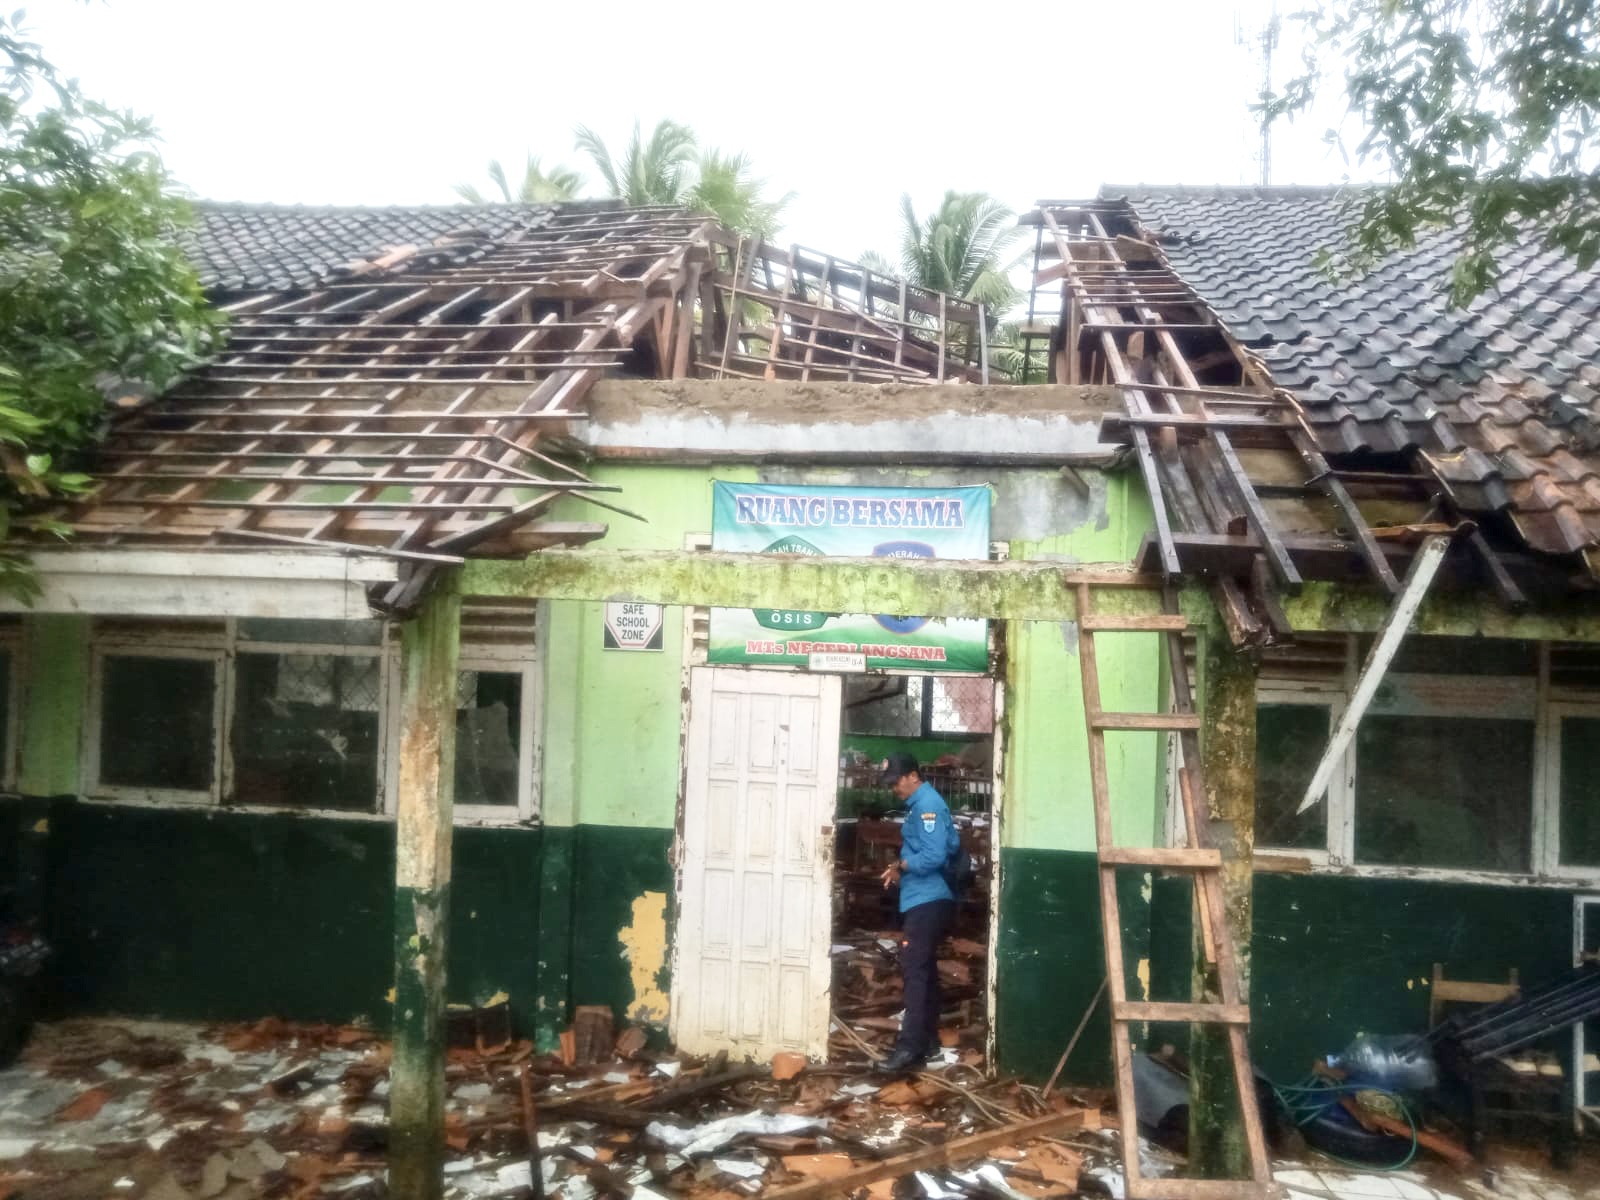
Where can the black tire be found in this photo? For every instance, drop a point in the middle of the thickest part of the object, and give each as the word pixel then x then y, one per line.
pixel 16 1019
pixel 1335 1133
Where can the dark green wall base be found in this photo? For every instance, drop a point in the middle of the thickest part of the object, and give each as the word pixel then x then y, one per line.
pixel 1337 956
pixel 1334 956
pixel 1050 961
pixel 232 916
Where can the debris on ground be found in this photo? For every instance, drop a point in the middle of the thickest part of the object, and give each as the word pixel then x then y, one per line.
pixel 280 1111
pixel 868 997
pixel 276 1110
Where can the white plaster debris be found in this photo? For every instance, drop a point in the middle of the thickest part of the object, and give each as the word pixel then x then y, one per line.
pixel 860 1089
pixel 515 1175
pixel 669 1069
pixel 473 1092
pixel 616 1077
pixel 713 1135
pixel 739 1169
pixel 124 1183
pixel 16 1147
pixel 934 1190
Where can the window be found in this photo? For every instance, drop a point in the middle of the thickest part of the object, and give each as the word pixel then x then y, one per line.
pixel 494 726
pixel 305 729
pixel 1444 792
pixel 919 706
pixel 1290 735
pixel 158 710
pixel 302 715
pixel 1475 755
pixel 1574 779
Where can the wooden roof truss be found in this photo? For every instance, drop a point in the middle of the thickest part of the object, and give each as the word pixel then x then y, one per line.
pixel 1194 398
pixel 415 407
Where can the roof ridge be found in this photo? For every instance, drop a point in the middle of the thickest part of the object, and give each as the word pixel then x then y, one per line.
pixel 1288 191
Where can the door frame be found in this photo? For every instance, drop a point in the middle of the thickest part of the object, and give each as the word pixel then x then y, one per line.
pixel 693 654
pixel 702 679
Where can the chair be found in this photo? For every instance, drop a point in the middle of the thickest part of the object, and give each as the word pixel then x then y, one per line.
pixel 1461 991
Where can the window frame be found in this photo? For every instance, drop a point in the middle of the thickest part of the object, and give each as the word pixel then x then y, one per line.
pixel 120 647
pixel 523 661
pixel 1551 705
pixel 1547 801
pixel 222 644
pixel 1339 840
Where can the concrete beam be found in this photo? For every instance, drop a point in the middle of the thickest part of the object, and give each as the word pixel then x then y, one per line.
pixel 1336 608
pixel 1015 591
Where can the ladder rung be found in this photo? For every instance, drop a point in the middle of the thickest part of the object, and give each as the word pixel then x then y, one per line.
pixel 1198 1189
pixel 1160 623
pixel 1133 720
pixel 1204 1014
pixel 1180 858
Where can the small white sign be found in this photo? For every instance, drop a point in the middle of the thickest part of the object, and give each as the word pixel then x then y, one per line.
pixel 633 626
pixel 832 660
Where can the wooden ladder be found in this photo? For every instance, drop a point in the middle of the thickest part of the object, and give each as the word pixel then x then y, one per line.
pixel 1204 864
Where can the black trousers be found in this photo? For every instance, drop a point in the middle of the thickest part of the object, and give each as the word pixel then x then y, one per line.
pixel 922 929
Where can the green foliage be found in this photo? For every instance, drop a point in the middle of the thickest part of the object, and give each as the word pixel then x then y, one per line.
pixel 1482 111
pixel 959 249
pixel 726 188
pixel 538 186
pixel 94 295
pixel 667 168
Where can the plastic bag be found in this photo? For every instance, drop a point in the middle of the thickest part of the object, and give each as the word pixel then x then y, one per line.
pixel 1399 1063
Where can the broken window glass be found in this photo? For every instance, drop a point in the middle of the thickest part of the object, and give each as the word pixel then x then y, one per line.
pixel 488 737
pixel 1580 814
pixel 305 730
pixel 885 705
pixel 1436 791
pixel 156 722
pixel 1290 739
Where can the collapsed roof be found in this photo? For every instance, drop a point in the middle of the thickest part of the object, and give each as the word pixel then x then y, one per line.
pixel 403 381
pixel 1296 427
pixel 1498 399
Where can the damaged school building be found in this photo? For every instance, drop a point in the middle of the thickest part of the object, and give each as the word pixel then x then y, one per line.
pixel 648 469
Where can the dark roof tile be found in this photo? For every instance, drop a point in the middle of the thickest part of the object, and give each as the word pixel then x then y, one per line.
pixel 1374 355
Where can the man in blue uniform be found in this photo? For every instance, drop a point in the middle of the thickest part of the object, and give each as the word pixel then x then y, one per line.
pixel 928 842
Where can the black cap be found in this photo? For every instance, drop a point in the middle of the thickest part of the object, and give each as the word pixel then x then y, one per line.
pixel 897 765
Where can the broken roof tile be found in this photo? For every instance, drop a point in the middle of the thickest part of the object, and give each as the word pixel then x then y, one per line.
pixel 1493 368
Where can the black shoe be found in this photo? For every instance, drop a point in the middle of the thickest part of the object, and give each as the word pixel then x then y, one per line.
pixel 900 1061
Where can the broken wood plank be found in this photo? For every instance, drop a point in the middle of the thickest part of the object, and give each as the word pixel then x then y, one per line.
pixel 941 1155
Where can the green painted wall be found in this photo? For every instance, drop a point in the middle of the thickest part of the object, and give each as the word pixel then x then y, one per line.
pixel 1339 955
pixel 241 915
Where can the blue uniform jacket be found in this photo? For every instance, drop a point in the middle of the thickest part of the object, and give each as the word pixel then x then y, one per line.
pixel 928 840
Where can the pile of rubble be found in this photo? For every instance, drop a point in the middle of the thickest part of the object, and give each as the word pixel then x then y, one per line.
pixel 274 1110
pixel 867 993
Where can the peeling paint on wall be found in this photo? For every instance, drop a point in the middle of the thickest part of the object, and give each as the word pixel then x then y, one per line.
pixel 644 945
pixel 1143 972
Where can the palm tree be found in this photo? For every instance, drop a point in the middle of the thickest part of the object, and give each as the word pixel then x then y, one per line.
pixel 538 186
pixel 667 168
pixel 650 172
pixel 726 188
pixel 959 249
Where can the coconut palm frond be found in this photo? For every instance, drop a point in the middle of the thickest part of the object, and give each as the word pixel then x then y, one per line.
pixel 726 188
pixel 592 144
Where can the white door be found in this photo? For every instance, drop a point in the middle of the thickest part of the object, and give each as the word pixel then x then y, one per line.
pixel 752 972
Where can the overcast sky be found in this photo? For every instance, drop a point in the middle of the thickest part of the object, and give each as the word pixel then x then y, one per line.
pixel 848 104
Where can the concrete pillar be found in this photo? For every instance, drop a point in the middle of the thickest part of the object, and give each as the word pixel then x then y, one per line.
pixel 1217 1147
pixel 430 651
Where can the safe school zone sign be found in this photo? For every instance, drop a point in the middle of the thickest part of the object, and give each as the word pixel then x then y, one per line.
pixel 633 626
